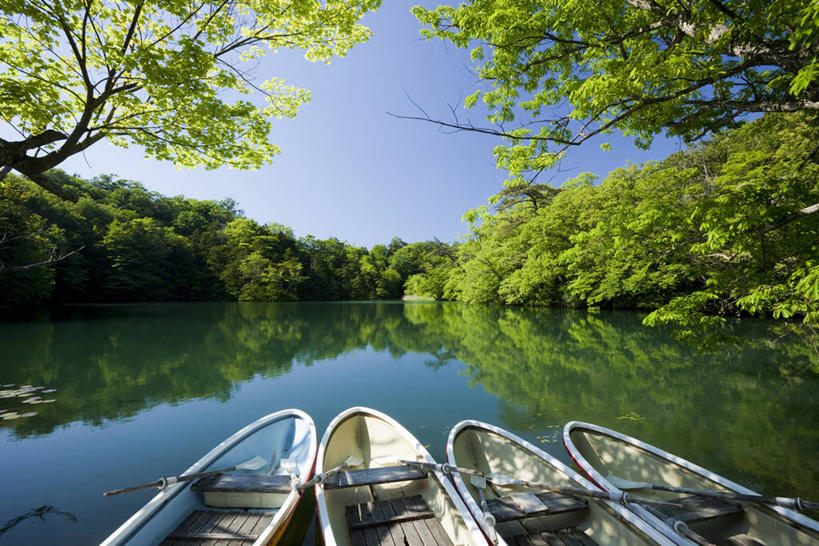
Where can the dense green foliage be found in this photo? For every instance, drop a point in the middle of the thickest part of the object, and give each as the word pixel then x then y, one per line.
pixel 171 76
pixel 564 71
pixel 136 245
pixel 724 228
pixel 728 227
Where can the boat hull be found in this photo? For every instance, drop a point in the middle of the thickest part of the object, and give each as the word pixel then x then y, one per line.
pixel 378 441
pixel 287 434
pixel 489 449
pixel 602 453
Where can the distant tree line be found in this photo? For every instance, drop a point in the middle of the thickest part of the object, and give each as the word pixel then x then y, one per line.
pixel 120 242
pixel 727 227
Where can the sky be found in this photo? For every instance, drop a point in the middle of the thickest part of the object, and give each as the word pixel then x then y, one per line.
pixel 350 170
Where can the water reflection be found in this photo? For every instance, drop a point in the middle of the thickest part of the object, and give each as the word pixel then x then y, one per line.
pixel 545 366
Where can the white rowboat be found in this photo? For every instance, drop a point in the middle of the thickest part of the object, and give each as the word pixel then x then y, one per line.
pixel 606 456
pixel 250 508
pixel 527 515
pixel 369 497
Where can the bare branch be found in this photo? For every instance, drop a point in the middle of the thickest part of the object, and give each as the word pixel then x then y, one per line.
pixel 53 259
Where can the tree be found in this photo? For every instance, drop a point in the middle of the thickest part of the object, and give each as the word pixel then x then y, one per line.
pixel 157 74
pixel 577 69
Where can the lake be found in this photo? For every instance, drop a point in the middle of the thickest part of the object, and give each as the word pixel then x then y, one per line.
pixel 123 394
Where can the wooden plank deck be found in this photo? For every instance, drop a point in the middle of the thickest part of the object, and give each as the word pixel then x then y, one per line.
pixel 212 527
pixel 564 537
pixel 405 521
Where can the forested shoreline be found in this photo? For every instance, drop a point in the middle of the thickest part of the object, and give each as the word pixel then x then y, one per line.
pixel 724 228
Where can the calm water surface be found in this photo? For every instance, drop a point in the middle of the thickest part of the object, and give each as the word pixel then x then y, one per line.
pixel 130 393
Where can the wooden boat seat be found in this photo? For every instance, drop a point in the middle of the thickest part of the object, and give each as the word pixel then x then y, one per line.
pixel 696 509
pixel 244 483
pixel 407 521
pixel 211 527
pixel 371 476
pixel 526 505
pixel 539 518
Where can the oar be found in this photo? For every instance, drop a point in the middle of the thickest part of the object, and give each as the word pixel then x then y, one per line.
pixel 253 464
pixel 785 502
pixel 506 481
pixel 680 527
pixel 480 484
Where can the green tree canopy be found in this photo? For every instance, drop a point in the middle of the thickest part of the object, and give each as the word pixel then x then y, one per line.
pixel 169 75
pixel 564 71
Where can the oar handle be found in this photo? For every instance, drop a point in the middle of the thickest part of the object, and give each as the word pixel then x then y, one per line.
pixel 785 502
pixel 621 497
pixel 165 481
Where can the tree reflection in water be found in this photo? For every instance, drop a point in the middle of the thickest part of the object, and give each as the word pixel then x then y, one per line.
pixel 749 410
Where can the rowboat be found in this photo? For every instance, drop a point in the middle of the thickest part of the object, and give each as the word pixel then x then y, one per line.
pixel 514 506
pixel 250 505
pixel 712 508
pixel 366 495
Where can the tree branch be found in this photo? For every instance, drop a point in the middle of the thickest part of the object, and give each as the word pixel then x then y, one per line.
pixel 51 260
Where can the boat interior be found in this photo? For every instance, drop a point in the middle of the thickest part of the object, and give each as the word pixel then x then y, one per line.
pixel 380 500
pixel 530 516
pixel 720 521
pixel 239 506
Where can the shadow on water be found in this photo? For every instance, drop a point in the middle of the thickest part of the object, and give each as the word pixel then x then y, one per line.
pixel 109 363
pixel 39 513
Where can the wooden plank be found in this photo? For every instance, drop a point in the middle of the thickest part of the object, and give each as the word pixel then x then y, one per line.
pixel 244 483
pixel 357 537
pixel 384 536
pixel 217 526
pixel 510 528
pixel 263 521
pixel 411 536
pixel 438 532
pixel 372 537
pixel 423 531
pixel 695 508
pixel 393 527
pixel 223 522
pixel 558 502
pixel 381 512
pixel 193 521
pixel 505 509
pixel 369 476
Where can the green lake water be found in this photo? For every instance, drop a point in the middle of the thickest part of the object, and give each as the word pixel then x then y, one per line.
pixel 132 392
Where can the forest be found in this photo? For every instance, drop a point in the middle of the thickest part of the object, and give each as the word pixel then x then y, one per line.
pixel 724 228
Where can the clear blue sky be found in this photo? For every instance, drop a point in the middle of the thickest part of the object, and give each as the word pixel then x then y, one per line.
pixel 349 170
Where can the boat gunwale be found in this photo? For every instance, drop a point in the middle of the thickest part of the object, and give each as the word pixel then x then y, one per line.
pixel 143 516
pixel 321 504
pixel 460 485
pixel 792 516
